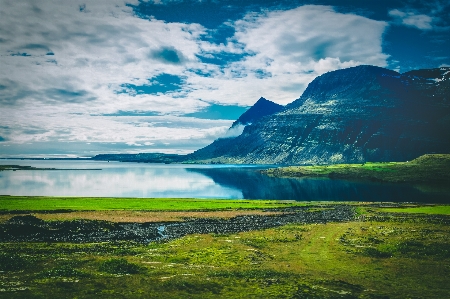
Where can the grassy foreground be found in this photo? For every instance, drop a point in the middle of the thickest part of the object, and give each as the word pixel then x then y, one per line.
pixel 425 169
pixel 431 210
pixel 38 203
pixel 380 255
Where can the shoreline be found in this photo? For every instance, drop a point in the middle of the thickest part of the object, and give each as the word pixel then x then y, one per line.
pixel 427 169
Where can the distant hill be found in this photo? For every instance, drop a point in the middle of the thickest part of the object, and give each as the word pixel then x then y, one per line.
pixel 354 115
pixel 142 157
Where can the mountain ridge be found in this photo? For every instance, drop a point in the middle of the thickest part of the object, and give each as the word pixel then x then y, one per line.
pixel 353 115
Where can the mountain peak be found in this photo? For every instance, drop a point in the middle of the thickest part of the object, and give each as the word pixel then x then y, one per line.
pixel 349 83
pixel 261 108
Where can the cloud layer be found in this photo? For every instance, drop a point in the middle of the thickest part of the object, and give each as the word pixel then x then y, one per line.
pixel 77 71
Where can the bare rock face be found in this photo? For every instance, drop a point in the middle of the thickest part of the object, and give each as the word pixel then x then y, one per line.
pixel 359 114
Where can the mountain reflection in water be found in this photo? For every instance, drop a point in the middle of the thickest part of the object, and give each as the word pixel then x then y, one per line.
pixel 146 180
pixel 255 185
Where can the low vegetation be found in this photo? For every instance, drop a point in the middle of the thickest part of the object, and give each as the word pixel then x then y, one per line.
pixel 119 266
pixel 432 209
pixel 36 203
pixel 425 169
pixel 382 254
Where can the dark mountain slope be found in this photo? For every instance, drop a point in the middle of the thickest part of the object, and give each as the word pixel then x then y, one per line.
pixel 260 109
pixel 358 114
pixel 221 147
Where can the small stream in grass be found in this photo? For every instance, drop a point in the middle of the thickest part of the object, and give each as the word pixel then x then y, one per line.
pixel 118 179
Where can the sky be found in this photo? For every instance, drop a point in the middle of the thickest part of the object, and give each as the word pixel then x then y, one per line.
pixel 80 78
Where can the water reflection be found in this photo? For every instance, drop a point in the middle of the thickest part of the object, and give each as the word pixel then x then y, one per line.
pixel 257 186
pixel 114 180
pixel 187 181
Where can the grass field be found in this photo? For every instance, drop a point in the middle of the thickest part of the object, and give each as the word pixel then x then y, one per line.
pixel 376 257
pixel 334 260
pixel 433 210
pixel 36 203
pixel 425 169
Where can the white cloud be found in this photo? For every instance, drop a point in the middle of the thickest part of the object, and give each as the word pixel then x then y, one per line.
pixel 95 51
pixel 63 63
pixel 291 48
pixel 301 34
pixel 297 39
pixel 80 54
pixel 234 131
pixel 31 126
pixel 412 19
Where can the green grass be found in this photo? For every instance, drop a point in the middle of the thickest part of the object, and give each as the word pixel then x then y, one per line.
pixel 436 210
pixel 394 256
pixel 389 259
pixel 430 169
pixel 31 203
pixel 119 266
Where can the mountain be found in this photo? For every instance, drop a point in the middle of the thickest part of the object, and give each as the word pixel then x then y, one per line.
pixel 353 115
pixel 262 109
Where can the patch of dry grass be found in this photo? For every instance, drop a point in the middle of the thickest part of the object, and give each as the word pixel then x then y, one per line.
pixel 141 216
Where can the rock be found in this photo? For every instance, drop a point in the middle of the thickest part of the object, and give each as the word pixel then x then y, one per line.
pixel 84 231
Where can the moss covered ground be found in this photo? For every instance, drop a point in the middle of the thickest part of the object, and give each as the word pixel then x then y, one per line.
pixel 431 209
pixel 432 169
pixel 379 255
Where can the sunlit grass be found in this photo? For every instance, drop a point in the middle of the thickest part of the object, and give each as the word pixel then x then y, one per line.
pixel 377 256
pixel 30 203
pixel 334 260
pixel 436 210
pixel 430 169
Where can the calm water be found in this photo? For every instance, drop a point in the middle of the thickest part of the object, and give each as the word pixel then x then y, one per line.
pixel 116 179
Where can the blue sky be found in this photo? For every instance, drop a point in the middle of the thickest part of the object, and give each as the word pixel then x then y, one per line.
pixel 78 78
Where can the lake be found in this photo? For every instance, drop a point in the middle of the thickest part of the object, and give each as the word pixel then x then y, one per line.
pixel 118 179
